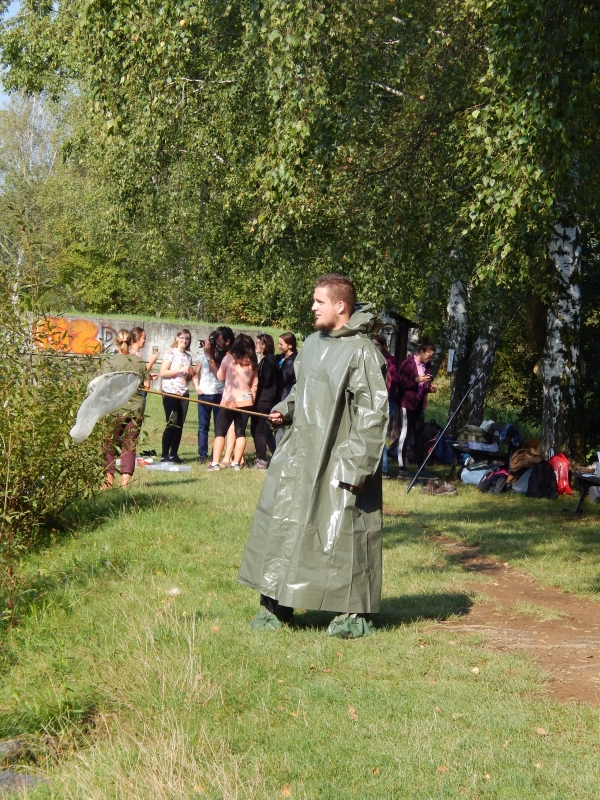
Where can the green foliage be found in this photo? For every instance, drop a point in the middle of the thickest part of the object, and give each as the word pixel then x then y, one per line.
pixel 218 156
pixel 533 143
pixel 91 282
pixel 41 469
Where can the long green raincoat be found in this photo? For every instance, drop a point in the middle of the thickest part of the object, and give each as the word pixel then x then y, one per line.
pixel 314 544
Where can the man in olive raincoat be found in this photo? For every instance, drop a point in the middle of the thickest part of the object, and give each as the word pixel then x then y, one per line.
pixel 315 541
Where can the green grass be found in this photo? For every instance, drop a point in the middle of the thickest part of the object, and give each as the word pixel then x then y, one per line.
pixel 148 693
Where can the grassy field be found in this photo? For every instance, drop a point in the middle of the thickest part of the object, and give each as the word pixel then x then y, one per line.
pixel 133 672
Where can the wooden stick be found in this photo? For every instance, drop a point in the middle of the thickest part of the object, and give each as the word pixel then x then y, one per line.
pixel 206 403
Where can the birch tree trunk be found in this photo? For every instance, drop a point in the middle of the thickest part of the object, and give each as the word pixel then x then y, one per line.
pixel 479 352
pixel 458 321
pixel 563 430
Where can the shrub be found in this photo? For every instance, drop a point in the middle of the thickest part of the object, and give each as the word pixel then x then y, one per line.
pixel 41 470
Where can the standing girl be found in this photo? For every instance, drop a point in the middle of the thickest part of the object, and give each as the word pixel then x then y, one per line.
pixel 239 370
pixel 126 422
pixel 288 347
pixel 176 372
pixel 267 395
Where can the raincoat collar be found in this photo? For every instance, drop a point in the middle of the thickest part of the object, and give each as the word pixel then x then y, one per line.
pixel 362 322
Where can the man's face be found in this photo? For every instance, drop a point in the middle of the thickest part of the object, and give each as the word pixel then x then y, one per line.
pixel 327 311
pixel 428 356
pixel 222 344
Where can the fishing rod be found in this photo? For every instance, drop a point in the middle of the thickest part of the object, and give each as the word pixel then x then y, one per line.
pixel 474 382
pixel 206 403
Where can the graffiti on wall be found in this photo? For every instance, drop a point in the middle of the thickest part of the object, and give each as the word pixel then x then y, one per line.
pixel 79 336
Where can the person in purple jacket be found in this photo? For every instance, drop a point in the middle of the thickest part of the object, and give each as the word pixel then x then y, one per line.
pixel 414 384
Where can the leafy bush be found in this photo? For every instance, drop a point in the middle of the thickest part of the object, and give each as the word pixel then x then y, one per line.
pixel 41 469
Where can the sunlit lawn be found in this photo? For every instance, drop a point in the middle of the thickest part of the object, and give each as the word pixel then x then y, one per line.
pixel 135 655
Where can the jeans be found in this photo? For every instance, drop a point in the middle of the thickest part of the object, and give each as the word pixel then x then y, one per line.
pixel 204 413
pixel 384 461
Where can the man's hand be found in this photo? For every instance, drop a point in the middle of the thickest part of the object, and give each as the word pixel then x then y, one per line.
pixel 276 418
pixel 433 389
pixel 423 378
pixel 209 350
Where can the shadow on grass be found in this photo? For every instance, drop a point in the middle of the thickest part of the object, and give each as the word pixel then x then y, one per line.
pixel 403 610
pixel 69 716
pixel 504 527
pixel 89 515
pixel 172 482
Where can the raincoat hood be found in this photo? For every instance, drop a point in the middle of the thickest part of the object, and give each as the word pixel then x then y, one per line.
pixel 363 321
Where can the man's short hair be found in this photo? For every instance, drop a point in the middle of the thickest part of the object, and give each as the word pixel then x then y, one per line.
pixel 339 288
pixel 226 333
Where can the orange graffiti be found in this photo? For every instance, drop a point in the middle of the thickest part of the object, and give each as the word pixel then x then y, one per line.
pixel 57 333
pixel 84 333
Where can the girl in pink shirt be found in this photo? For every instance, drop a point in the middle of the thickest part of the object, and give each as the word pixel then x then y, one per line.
pixel 239 370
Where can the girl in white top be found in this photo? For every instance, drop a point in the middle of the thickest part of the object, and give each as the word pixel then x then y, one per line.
pixel 176 372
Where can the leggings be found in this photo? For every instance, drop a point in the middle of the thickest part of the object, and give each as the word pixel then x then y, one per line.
pixel 175 413
pixel 123 435
pixel 411 436
pixel 261 431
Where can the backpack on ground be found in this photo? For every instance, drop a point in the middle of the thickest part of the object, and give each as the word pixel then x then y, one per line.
pixel 494 481
pixel 521 485
pixel 542 482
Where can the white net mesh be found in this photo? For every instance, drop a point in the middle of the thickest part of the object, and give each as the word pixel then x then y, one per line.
pixel 106 394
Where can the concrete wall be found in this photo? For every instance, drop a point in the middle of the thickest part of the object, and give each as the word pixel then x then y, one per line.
pixel 93 334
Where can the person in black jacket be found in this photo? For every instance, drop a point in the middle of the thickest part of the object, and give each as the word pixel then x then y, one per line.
pixel 288 347
pixel 267 396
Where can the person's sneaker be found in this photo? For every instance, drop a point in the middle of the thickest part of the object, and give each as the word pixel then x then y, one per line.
pixel 235 467
pixel 212 467
pixel 386 476
pixel 438 488
pixel 445 488
pixel 202 459
pixel 260 464
pixel 176 460
pixel 165 460
pixel 350 626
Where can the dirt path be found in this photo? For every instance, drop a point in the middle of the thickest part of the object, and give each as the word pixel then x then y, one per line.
pixel 560 632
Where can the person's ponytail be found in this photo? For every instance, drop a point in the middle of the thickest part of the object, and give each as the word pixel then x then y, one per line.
pixel 123 341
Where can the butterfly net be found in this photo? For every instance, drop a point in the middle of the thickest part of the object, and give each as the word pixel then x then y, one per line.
pixel 105 394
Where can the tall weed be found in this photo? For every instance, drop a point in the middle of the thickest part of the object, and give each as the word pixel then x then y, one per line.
pixel 41 470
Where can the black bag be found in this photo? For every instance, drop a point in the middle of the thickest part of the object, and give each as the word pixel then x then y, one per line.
pixel 542 482
pixel 494 481
pixel 431 429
